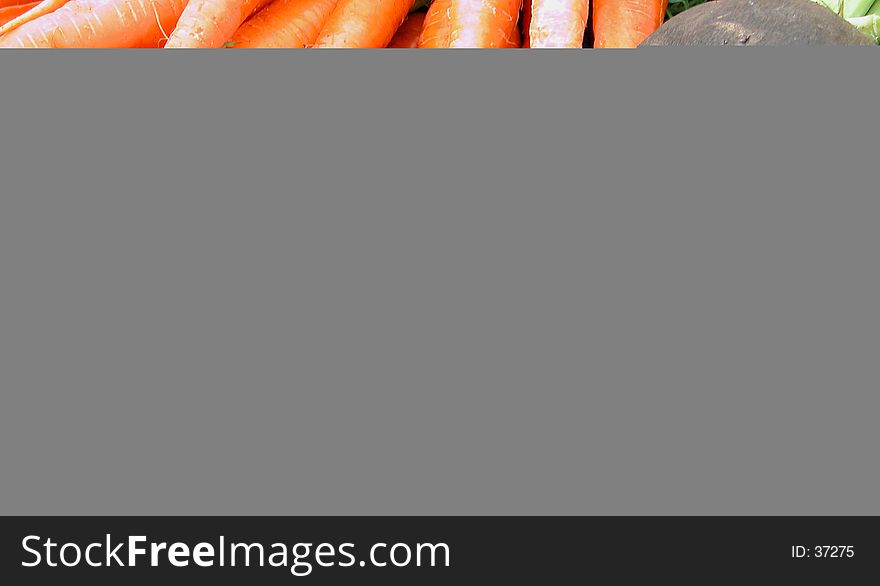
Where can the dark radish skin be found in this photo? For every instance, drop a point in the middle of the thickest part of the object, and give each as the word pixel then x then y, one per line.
pixel 757 22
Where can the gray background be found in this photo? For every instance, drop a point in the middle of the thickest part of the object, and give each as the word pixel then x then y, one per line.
pixel 365 282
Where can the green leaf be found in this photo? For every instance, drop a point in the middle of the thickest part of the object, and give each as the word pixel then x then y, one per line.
pixel 847 8
pixel 677 6
pixel 870 25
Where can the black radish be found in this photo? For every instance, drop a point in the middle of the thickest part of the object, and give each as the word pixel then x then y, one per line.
pixel 757 22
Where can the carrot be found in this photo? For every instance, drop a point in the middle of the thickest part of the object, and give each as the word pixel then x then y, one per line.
pixel 407 36
pixel 211 23
pixel 435 30
pixel 626 23
pixel 483 23
pixel 13 3
pixel 17 9
pixel 41 8
pixel 284 24
pixel 99 24
pixel 363 23
pixel 556 23
pixel 9 13
pixel 514 41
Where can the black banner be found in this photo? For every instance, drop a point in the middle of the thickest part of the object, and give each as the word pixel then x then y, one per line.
pixel 415 550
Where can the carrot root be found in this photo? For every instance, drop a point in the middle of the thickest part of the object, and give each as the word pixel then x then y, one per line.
pixel 12 3
pixel 483 23
pixel 626 23
pixel 99 24
pixel 407 36
pixel 436 27
pixel 42 8
pixel 211 23
pixel 9 13
pixel 284 24
pixel 556 23
pixel 363 23
pixel 472 23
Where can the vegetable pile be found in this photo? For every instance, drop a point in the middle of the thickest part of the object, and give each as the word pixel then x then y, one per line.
pixel 355 23
pixel 327 23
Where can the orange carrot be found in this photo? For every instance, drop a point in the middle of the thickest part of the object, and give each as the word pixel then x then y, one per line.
pixel 556 23
pixel 514 41
pixel 435 30
pixel 407 36
pixel 363 23
pixel 210 23
pixel 284 24
pixel 99 24
pixel 483 23
pixel 12 3
pixel 44 7
pixel 626 23
pixel 9 13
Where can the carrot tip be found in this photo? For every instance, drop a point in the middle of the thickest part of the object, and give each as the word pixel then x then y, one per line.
pixel 41 9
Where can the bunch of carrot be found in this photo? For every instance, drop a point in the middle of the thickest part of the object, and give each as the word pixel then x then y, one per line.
pixel 326 23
